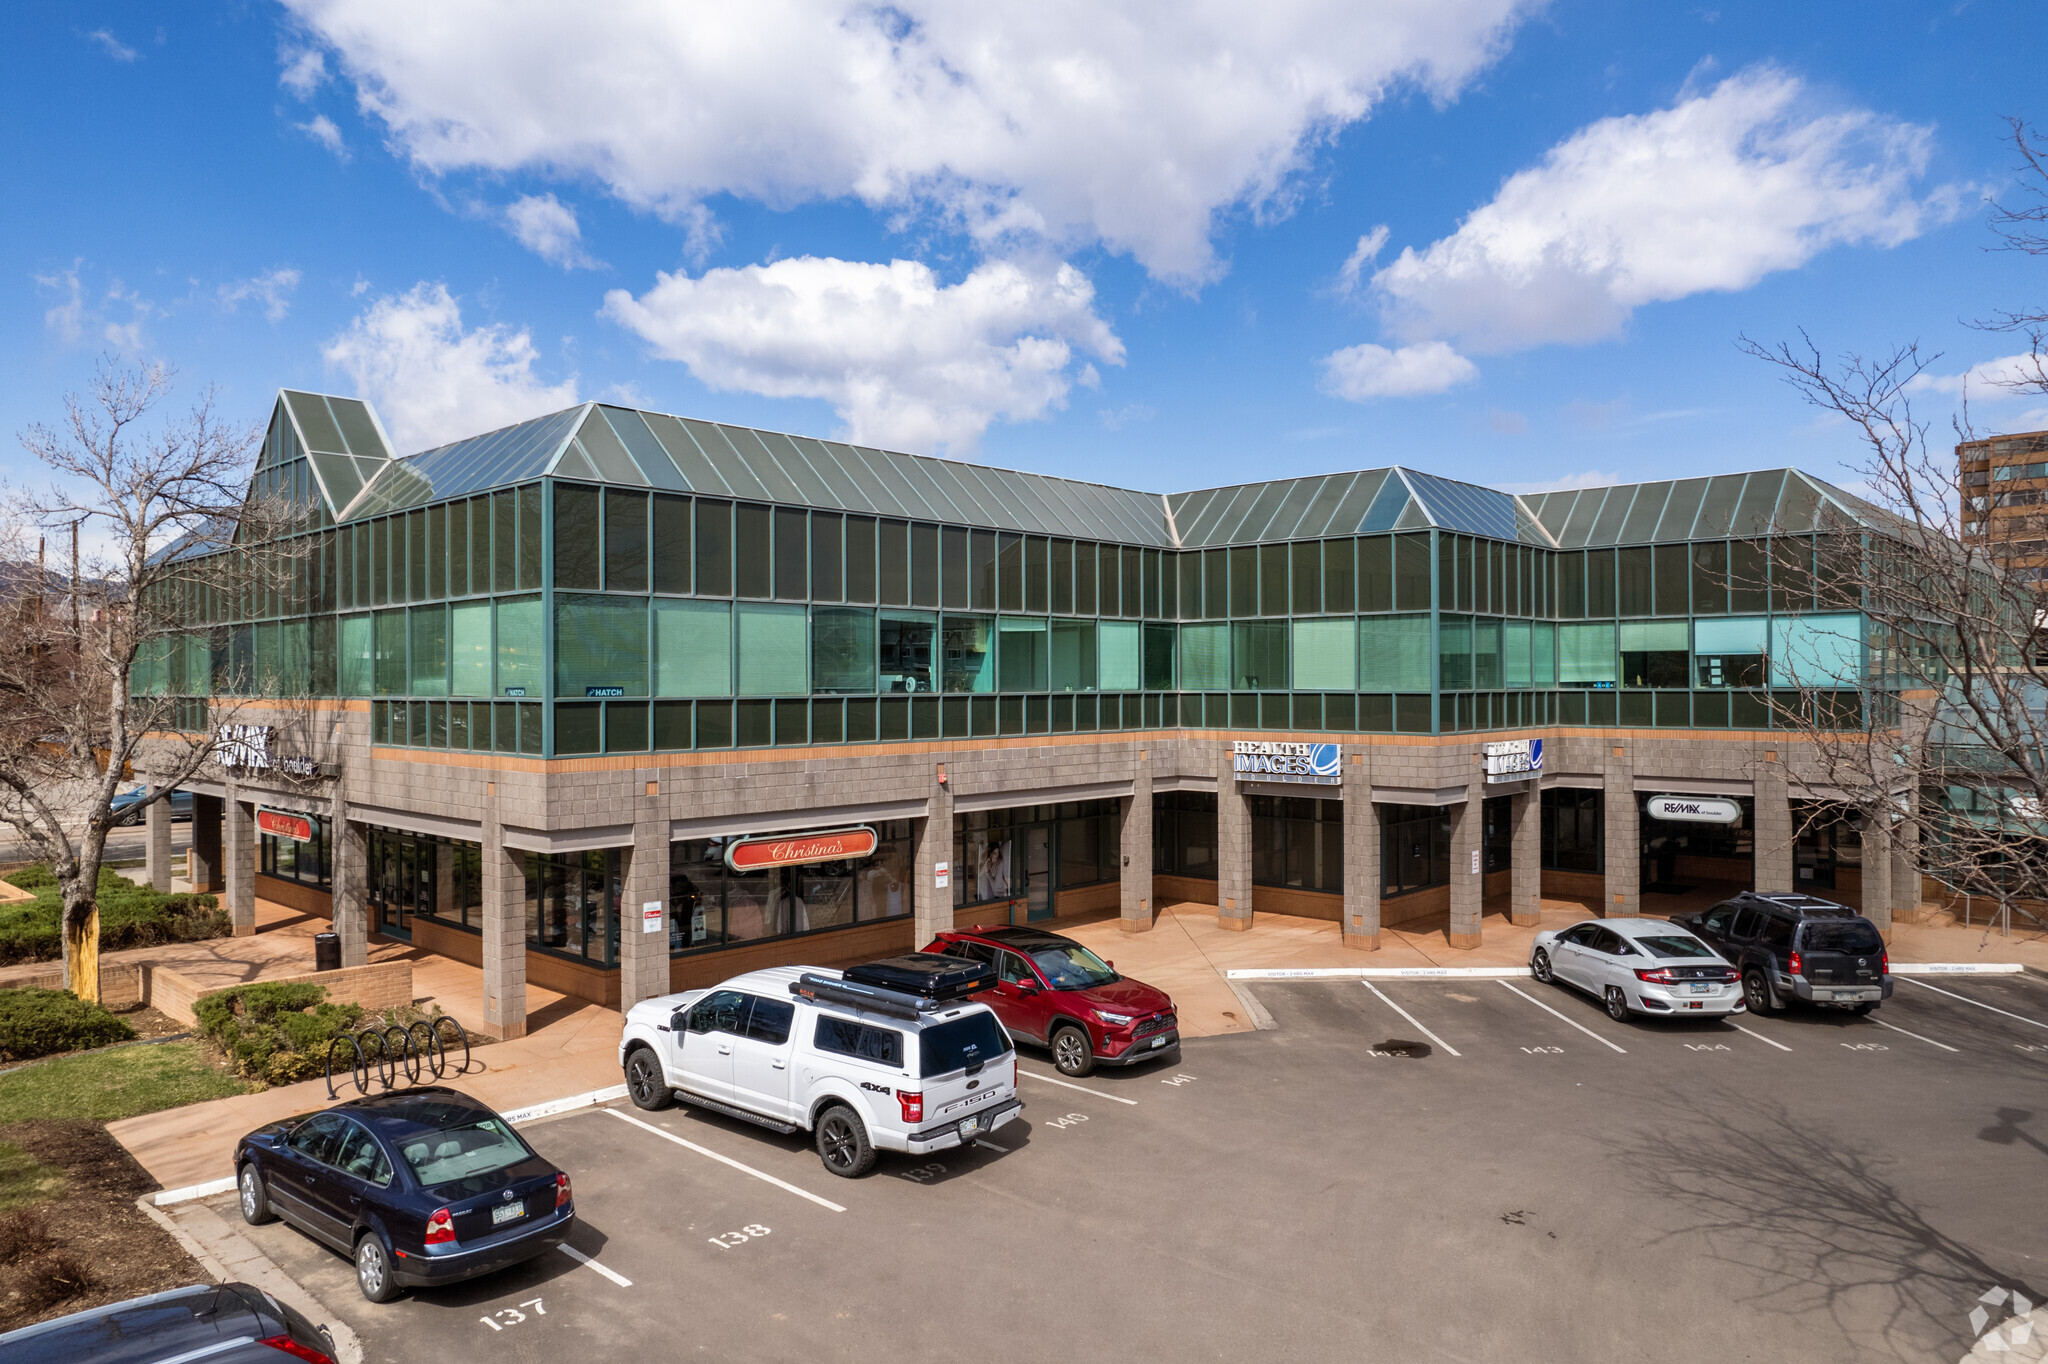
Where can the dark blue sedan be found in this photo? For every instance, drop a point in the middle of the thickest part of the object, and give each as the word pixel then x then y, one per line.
pixel 423 1186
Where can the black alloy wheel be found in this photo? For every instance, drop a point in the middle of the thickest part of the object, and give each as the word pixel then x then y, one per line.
pixel 1539 967
pixel 1756 993
pixel 645 1084
pixel 843 1143
pixel 1072 1053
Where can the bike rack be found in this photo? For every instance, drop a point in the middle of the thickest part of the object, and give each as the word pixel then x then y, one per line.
pixel 377 1056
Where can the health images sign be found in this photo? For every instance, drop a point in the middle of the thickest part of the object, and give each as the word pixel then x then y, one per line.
pixel 1298 764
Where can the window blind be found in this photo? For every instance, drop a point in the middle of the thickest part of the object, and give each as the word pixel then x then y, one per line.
pixel 469 639
pixel 1118 656
pixel 1326 655
pixel 1808 651
pixel 1393 653
pixel 1652 636
pixel 773 656
pixel 1585 653
pixel 600 642
pixel 693 648
pixel 1736 635
pixel 519 648
pixel 1204 657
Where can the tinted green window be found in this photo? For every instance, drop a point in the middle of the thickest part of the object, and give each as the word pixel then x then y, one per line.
pixel 861 577
pixel 1599 582
pixel 322 658
pixel 969 662
pixel 1010 571
pixel 480 544
pixel 1326 655
pixel 714 548
pixel 437 552
pixel 576 542
pixel 600 644
pixel 1204 657
pixel 504 542
pixel 692 648
pixel 469 633
pixel 1036 570
pixel 1273 571
pixel 1376 573
pixel 457 520
pixel 1160 645
pixel 390 662
pixel 1673 575
pixel 773 652
pixel 1571 585
pixel 1486 653
pixel 1543 655
pixel 1454 653
pixel 1634 565
pixel 1514 655
pixel 1393 654
pixel 1120 656
pixel 579 727
pixel 892 562
pixel 953 568
pixel 518 633
pixel 429 666
pixel 1023 660
pixel 1586 654
pixel 828 576
pixel 1258 656
pixel 1411 573
pixel 924 565
pixel 1132 583
pixel 792 554
pixel 842 649
pixel 1062 577
pixel 625 727
pixel 380 561
pixel 1190 585
pixel 416 555
pixel 751 551
pixel 1748 575
pixel 1244 580
pixel 625 541
pixel 358 650
pixel 671 544
pixel 529 537
pixel 981 559
pixel 1340 576
pixel 1710 578
pixel 1087 577
pixel 1073 655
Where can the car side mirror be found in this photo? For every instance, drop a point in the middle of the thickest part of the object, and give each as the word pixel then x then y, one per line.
pixel 1026 987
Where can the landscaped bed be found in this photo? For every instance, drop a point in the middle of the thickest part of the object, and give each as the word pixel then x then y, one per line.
pixel 277 1032
pixel 130 916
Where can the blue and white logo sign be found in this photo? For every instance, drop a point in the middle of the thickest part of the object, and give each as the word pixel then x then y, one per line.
pixel 1298 764
pixel 1512 759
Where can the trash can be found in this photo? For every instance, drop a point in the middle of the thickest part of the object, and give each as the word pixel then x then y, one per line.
pixel 326 951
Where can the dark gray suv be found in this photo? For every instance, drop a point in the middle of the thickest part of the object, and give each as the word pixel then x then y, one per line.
pixel 1794 947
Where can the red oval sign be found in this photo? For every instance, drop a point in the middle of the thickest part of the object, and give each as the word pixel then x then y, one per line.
pixel 277 823
pixel 789 850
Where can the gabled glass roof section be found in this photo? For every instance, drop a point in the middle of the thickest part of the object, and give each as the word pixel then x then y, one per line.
pixel 1768 502
pixel 493 460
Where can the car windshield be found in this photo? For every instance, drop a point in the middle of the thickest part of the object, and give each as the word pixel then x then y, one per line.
pixel 1853 936
pixel 1072 967
pixel 1674 947
pixel 477 1148
pixel 974 1040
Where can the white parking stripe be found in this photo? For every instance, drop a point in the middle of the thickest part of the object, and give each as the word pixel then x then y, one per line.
pixel 1967 1000
pixel 1758 1036
pixel 1561 1018
pixel 1411 1017
pixel 1113 1098
pixel 580 1258
pixel 727 1160
pixel 1914 1035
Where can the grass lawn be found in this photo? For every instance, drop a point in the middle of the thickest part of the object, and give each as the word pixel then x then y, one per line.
pixel 105 1086
pixel 24 1179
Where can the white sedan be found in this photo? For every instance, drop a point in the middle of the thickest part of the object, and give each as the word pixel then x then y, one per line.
pixel 1649 966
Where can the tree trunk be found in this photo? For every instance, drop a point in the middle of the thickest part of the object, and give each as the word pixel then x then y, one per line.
pixel 82 950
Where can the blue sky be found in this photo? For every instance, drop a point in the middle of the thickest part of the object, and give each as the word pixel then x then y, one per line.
pixel 1167 247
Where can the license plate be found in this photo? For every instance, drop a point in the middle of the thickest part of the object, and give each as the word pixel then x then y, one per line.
pixel 1855 994
pixel 970 1126
pixel 1158 1042
pixel 1701 989
pixel 507 1212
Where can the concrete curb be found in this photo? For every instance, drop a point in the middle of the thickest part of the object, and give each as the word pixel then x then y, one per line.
pixel 226 1254
pixel 1958 968
pixel 1380 973
pixel 192 1191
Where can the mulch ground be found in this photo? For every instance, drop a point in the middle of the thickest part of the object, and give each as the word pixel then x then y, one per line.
pixel 90 1245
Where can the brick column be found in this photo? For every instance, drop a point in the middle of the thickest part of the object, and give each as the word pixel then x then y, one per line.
pixel 932 905
pixel 350 877
pixel 205 866
pixel 1877 874
pixel 643 951
pixel 1772 836
pixel 1135 830
pixel 240 861
pixel 1361 922
pixel 1525 879
pixel 1622 838
pixel 1468 877
pixel 1233 848
pixel 504 910
pixel 157 856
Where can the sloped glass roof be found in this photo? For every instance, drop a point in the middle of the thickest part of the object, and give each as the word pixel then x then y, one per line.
pixel 1767 502
pixel 492 460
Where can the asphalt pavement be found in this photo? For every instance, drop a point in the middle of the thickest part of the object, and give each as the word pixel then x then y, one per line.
pixel 1423 1170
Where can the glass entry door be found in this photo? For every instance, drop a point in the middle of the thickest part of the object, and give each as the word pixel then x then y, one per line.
pixel 1038 902
pixel 401 881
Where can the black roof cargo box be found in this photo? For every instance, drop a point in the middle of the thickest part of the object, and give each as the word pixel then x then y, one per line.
pixel 926 975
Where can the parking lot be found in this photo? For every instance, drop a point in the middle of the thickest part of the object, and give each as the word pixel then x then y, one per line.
pixel 1413 1170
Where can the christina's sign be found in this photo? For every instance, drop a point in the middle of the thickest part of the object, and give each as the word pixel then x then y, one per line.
pixel 790 850
pixel 1300 764
pixel 280 824
pixel 1512 760
pixel 1696 809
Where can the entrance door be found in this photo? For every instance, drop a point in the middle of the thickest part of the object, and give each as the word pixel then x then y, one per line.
pixel 1813 858
pixel 1037 872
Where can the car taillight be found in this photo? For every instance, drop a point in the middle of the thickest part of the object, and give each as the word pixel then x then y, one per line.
pixel 286 1345
pixel 913 1105
pixel 562 1195
pixel 1884 963
pixel 1798 967
pixel 1662 976
pixel 441 1228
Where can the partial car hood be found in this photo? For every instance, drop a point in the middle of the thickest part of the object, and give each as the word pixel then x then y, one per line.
pixel 1128 996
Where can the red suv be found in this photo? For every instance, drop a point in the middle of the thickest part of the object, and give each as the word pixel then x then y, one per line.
pixel 1055 992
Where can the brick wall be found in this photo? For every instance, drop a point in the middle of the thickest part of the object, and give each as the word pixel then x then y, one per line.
pixel 122 984
pixel 846 947
pixel 380 985
pixel 292 895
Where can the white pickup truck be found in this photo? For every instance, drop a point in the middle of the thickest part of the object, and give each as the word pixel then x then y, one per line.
pixel 909 1066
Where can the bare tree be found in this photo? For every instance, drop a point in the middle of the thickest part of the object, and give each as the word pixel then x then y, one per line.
pixel 72 715
pixel 1943 743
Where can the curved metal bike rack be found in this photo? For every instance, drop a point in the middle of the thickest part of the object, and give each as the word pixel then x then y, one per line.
pixel 381 1056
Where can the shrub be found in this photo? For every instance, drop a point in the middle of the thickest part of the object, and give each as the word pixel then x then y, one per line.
pixel 130 916
pixel 275 1031
pixel 24 1232
pixel 35 1022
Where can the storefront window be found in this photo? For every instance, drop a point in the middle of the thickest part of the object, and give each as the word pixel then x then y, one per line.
pixel 305 863
pixel 1297 842
pixel 1730 653
pixel 1572 833
pixel 842 650
pixel 1184 834
pixel 905 651
pixel 572 903
pixel 711 906
pixel 1081 841
pixel 970 655
pixel 1653 653
pixel 1415 848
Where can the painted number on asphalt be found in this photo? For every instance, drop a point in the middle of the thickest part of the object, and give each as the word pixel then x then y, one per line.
pixel 2024 1047
pixel 1707 1046
pixel 753 1231
pixel 1866 1046
pixel 922 1173
pixel 1068 1121
pixel 1544 1051
pixel 1179 1080
pixel 512 1315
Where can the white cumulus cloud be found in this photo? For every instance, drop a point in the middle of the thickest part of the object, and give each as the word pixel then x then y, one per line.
pixel 305 70
pixel 904 360
pixel 111 45
pixel 322 130
pixel 273 289
pixel 1066 121
pixel 434 381
pixel 547 227
pixel 1712 194
pixel 1361 373
pixel 2009 376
